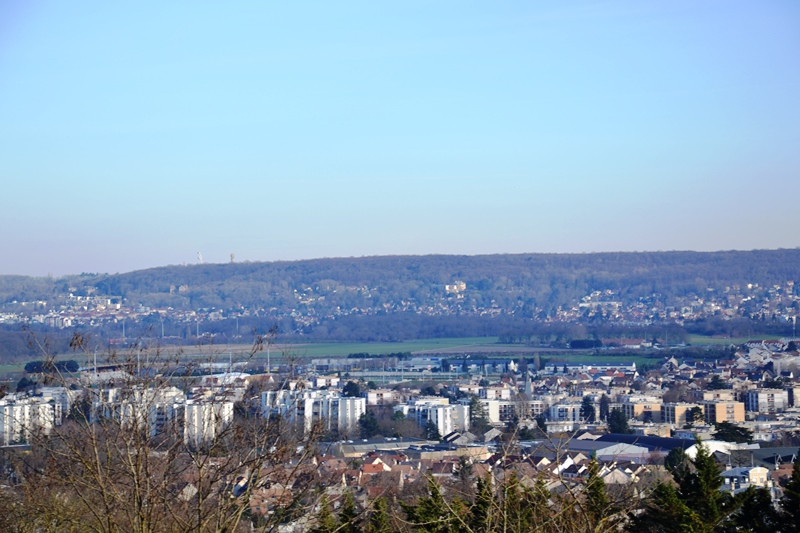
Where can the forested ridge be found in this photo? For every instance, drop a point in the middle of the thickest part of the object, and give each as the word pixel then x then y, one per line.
pixel 392 298
pixel 547 278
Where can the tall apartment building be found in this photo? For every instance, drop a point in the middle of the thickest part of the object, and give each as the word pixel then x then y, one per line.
pixel 494 393
pixel 723 411
pixel 380 396
pixel 149 409
pixel 564 412
pixel 641 408
pixel 766 401
pixel 22 416
pixel 520 409
pixel 205 419
pixel 447 418
pixel 678 413
pixel 330 408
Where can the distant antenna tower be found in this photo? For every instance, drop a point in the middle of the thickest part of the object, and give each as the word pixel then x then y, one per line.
pixel 199 258
pixel 233 256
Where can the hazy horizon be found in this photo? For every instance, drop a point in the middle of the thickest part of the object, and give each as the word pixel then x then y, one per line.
pixel 139 135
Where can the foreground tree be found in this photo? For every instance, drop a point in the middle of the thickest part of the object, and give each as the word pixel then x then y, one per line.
pixel 790 503
pixel 124 460
pixel 694 503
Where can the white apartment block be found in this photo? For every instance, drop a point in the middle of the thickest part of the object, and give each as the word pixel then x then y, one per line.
pixel 564 412
pixel 494 393
pixel 519 409
pixel 23 416
pixel 380 396
pixel 766 401
pixel 150 409
pixel 309 406
pixel 447 418
pixel 325 381
pixel 205 419
pixel 491 408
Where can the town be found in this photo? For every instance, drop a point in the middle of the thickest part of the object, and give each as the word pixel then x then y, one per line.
pixel 371 428
pixel 309 306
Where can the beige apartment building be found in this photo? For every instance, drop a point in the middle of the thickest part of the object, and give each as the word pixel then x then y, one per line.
pixel 647 409
pixel 677 413
pixel 723 411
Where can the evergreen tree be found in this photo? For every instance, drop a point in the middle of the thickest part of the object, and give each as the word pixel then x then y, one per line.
pixel 605 407
pixel 348 516
pixel 379 518
pixel 368 424
pixel 481 515
pixel 732 433
pixel 700 488
pixel 597 507
pixel 790 503
pixel 432 514
pixel 755 513
pixel 431 431
pixel 666 512
pixel 478 420
pixel 618 422
pixel 695 505
pixel 326 522
pixel 351 390
pixel 675 460
pixel 587 409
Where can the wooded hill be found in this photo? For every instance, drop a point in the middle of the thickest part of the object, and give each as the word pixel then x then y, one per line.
pixel 538 280
pixel 393 298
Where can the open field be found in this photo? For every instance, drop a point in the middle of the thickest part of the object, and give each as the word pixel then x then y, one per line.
pixel 453 348
pixel 333 349
pixel 702 340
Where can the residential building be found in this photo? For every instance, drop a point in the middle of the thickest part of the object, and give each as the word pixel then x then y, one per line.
pixel 766 401
pixel 678 413
pixel 643 408
pixel 447 418
pixel 380 396
pixel 329 407
pixel 21 417
pixel 716 411
pixel 205 419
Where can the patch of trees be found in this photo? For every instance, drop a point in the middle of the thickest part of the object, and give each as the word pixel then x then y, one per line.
pixel 696 503
pixel 50 367
pixel 585 344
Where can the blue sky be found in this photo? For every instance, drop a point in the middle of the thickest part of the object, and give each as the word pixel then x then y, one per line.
pixel 137 134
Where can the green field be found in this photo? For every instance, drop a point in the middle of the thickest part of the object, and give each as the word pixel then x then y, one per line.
pixel 702 340
pixel 334 349
pixel 485 346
